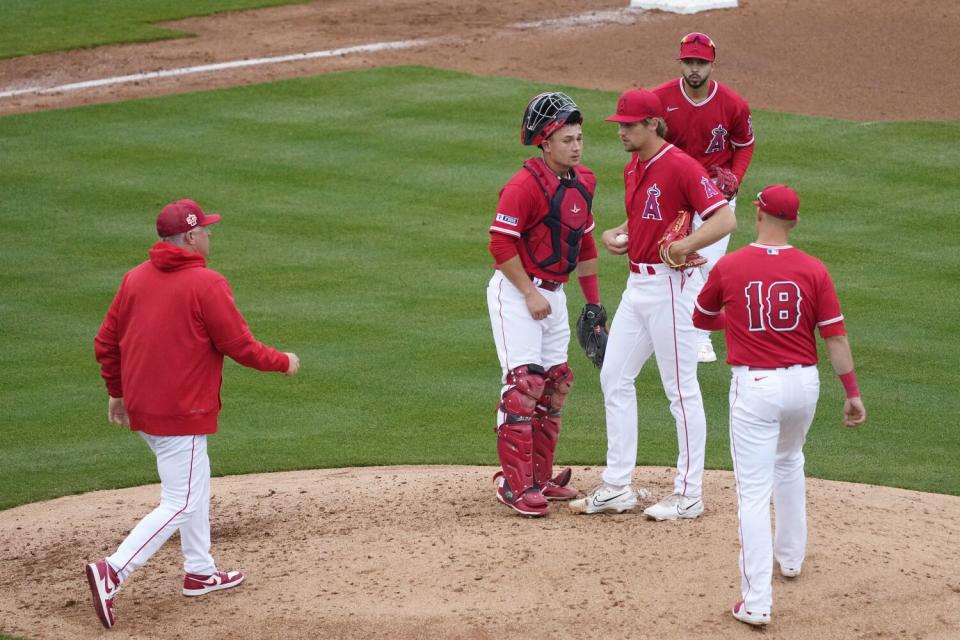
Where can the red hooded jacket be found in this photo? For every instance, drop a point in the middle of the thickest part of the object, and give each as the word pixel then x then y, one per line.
pixel 162 343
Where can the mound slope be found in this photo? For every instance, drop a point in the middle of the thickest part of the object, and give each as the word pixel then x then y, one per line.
pixel 427 552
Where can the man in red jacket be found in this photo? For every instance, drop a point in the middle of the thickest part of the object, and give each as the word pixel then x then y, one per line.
pixel 161 349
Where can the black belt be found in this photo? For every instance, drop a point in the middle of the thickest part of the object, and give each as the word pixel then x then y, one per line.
pixel 549 285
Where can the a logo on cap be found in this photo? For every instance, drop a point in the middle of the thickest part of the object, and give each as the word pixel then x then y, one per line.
pixel 192 220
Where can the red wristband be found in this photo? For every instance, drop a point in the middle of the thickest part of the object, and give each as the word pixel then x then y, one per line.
pixel 849 382
pixel 590 285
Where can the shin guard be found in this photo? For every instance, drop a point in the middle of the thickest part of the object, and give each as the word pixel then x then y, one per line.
pixel 525 385
pixel 546 433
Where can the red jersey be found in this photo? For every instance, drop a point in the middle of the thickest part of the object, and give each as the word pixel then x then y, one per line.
pixel 656 191
pixel 708 131
pixel 772 299
pixel 162 343
pixel 524 205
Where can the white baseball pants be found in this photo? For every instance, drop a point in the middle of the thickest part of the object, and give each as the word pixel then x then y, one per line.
pixel 184 470
pixel 519 338
pixel 654 318
pixel 770 413
pixel 712 253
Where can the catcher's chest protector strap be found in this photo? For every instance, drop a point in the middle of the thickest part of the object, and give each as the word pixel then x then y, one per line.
pixel 554 244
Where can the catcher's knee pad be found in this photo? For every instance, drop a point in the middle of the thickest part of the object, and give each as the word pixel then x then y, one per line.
pixel 558 382
pixel 515 451
pixel 518 401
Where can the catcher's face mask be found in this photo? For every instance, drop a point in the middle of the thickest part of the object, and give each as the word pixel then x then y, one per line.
pixel 545 114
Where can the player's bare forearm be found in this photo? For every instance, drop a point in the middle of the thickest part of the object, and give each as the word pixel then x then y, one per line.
pixel 838 350
pixel 537 305
pixel 517 275
pixel 587 268
pixel 722 223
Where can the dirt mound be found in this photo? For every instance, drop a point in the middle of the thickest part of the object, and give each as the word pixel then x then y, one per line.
pixel 427 552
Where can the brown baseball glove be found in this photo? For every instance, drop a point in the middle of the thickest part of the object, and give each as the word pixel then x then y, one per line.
pixel 727 181
pixel 679 230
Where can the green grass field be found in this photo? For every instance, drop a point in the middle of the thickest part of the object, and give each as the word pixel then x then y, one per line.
pixel 356 208
pixel 40 26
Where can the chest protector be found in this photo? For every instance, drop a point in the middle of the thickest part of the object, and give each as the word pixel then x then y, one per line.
pixel 553 244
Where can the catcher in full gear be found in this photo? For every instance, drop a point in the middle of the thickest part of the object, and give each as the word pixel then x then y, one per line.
pixel 540 234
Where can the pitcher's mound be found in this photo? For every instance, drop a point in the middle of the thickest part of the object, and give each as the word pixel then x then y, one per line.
pixel 427 552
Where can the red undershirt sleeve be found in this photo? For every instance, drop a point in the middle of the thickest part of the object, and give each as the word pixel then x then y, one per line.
pixel 503 247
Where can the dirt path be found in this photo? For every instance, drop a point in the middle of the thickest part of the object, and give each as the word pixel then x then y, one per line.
pixel 859 59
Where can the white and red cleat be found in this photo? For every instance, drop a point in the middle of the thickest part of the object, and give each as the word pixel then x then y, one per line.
pixel 196 585
pixel 104 585
pixel 756 618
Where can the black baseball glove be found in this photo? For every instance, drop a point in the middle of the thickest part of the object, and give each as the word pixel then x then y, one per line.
pixel 592 332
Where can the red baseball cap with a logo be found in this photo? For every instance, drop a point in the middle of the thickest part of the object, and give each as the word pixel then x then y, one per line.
pixel 182 216
pixel 637 105
pixel 780 201
pixel 697 45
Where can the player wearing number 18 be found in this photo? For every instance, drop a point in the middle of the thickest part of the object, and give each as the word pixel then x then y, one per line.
pixel 770 297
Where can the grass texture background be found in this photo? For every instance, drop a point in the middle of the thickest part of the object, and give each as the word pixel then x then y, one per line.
pixel 39 26
pixel 356 208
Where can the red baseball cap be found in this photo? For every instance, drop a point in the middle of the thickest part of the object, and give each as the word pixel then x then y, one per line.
pixel 637 105
pixel 697 45
pixel 182 216
pixel 780 201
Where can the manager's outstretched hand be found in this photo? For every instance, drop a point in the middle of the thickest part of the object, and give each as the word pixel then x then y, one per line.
pixel 294 365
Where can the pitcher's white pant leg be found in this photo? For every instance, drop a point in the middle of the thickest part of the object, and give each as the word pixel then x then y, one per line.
pixel 675 346
pixel 754 433
pixel 628 347
pixel 184 484
pixel 789 489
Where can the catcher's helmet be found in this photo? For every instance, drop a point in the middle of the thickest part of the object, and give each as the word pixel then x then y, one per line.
pixel 545 114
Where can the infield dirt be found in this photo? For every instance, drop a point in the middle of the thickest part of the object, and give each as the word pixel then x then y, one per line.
pixel 426 552
pixel 411 552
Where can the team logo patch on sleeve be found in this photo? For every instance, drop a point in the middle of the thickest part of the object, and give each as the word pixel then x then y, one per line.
pixel 505 219
pixel 709 190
